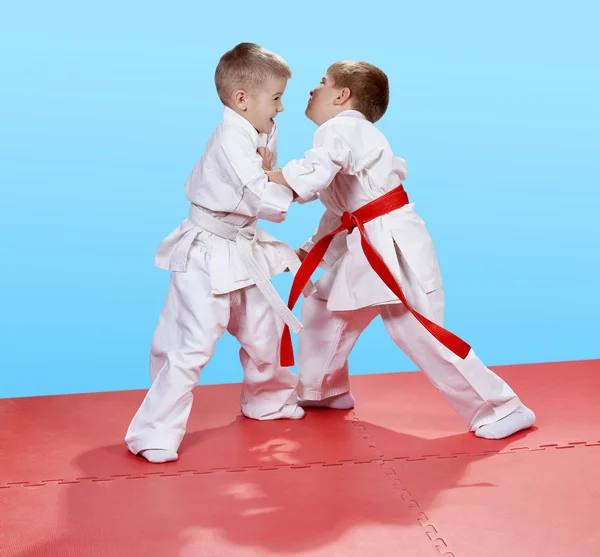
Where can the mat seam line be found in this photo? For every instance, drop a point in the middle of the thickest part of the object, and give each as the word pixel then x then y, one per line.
pixel 397 485
pixel 357 423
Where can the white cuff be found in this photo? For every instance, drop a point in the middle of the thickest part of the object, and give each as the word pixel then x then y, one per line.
pixel 275 202
pixel 297 183
pixel 307 246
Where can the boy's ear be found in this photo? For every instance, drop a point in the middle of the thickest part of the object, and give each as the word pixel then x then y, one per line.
pixel 240 99
pixel 344 95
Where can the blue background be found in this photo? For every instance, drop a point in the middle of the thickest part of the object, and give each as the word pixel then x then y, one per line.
pixel 105 107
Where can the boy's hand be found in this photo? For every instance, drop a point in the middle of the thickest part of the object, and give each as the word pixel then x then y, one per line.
pixel 267 157
pixel 301 254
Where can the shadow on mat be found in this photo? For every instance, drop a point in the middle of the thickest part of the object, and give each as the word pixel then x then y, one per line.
pixel 253 513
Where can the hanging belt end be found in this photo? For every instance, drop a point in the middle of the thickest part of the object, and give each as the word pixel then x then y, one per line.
pixel 286 349
pixel 464 351
pixel 296 327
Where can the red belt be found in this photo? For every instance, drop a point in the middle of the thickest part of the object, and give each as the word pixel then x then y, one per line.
pixel 385 204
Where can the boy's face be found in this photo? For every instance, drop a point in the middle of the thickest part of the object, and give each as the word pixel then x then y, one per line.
pixel 326 101
pixel 261 106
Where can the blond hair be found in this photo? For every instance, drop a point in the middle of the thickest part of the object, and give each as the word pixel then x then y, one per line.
pixel 367 83
pixel 247 66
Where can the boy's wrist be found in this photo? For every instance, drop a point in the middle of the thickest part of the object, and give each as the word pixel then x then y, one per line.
pixel 277 177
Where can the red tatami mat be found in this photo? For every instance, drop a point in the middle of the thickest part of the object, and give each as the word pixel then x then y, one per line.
pixel 67 437
pixel 397 476
pixel 337 511
pixel 543 502
pixel 406 417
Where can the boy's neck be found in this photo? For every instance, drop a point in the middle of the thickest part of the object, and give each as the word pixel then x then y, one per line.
pixel 338 112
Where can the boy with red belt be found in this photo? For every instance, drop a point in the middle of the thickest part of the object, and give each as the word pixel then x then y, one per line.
pixel 379 259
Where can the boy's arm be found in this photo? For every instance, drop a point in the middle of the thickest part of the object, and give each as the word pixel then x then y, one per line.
pixel 308 176
pixel 269 201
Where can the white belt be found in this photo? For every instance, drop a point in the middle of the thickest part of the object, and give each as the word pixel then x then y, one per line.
pixel 244 238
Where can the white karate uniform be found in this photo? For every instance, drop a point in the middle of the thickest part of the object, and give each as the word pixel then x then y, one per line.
pixel 351 164
pixel 213 289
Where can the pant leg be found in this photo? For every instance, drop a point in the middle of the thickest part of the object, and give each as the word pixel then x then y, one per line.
pixel 191 322
pixel 268 390
pixel 475 392
pixel 325 343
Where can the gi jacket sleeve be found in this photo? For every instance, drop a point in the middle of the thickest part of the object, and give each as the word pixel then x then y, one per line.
pixel 268 201
pixel 328 156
